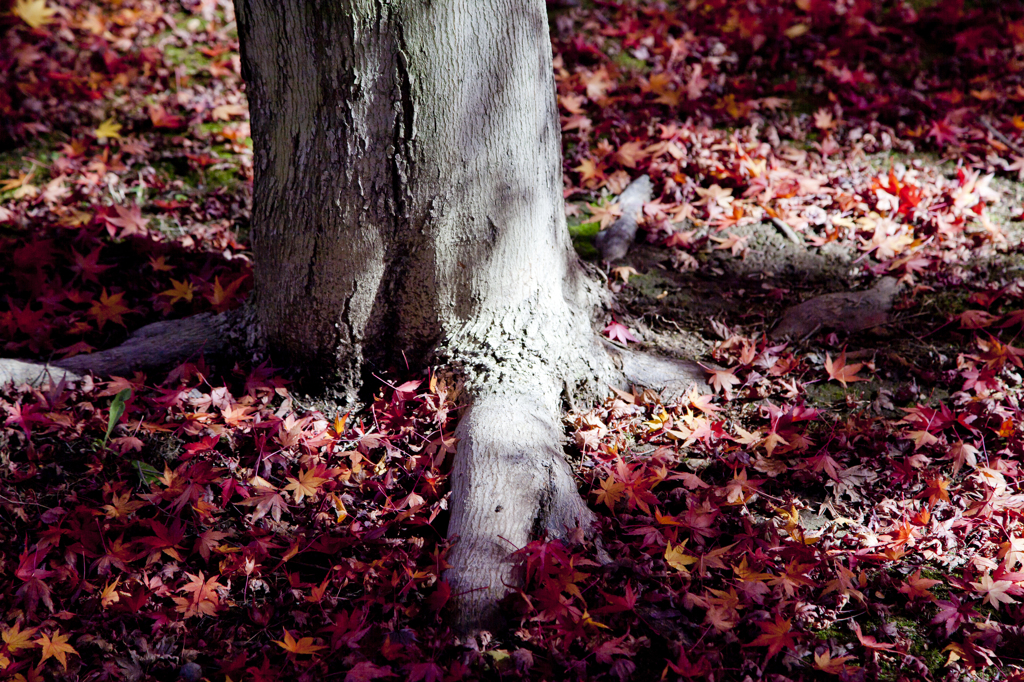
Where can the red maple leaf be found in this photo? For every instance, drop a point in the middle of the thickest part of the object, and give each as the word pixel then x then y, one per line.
pixel 777 636
pixel 88 266
pixel 34 588
pixel 162 119
pixel 953 614
pixel 129 219
pixel 617 331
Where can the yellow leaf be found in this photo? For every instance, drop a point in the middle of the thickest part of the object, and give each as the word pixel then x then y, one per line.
pixel 339 507
pixel 17 182
pixel 748 574
pixel 624 272
pixel 611 492
pixel 746 437
pixel 57 647
pixel 658 421
pixel 108 129
pixel 796 30
pixel 74 218
pixel 15 638
pixel 35 13
pixel 305 485
pixel 300 647
pixel 225 111
pixel 160 264
pixel 109 594
pixel 678 560
pixel 181 290
pixel 222 296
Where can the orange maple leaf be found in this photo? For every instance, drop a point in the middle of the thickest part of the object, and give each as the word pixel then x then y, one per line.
pixel 303 646
pixel 937 489
pixel 677 559
pixel 56 647
pixel 630 154
pixel 723 380
pixel 109 309
pixel 606 214
pixel 869 642
pixel 834 666
pixel 204 600
pixel 589 172
pixel 976 319
pixel 221 298
pixel 611 492
pixel 306 485
pixel 840 371
pixel 160 264
pixel 702 401
pixel 917 587
pixel 747 574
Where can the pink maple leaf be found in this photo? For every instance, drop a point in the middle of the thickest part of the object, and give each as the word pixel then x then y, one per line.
pixel 616 331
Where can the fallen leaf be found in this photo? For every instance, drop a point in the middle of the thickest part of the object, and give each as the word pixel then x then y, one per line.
pixel 301 647
pixel 35 13
pixel 840 371
pixel 108 130
pixel 56 647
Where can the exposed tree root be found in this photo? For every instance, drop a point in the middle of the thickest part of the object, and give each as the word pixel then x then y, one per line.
pixel 671 376
pixel 614 242
pixel 161 344
pixel 510 482
pixel 847 311
pixel 19 372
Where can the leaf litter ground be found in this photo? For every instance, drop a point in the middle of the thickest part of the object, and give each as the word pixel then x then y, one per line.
pixel 836 505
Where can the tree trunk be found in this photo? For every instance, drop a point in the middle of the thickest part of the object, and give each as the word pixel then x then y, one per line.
pixel 408 209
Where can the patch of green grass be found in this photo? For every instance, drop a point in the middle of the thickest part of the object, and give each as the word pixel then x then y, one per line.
pixel 582 234
pixel 189 57
pixel 221 177
pixel 628 61
pixel 835 633
pixel 829 392
pixel 211 128
pixel 42 149
pixel 947 303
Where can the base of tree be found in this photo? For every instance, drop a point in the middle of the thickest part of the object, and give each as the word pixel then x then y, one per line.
pixel 510 480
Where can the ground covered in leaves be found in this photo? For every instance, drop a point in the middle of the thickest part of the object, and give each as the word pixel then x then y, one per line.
pixel 834 505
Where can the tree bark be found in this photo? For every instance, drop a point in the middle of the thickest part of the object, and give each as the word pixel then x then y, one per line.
pixel 161 344
pixel 408 209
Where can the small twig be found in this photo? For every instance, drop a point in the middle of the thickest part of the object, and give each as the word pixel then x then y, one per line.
pixel 1014 147
pixel 787 230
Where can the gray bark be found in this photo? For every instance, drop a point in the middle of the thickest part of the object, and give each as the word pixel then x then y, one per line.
pixel 408 207
pixel 160 344
pixel 614 242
